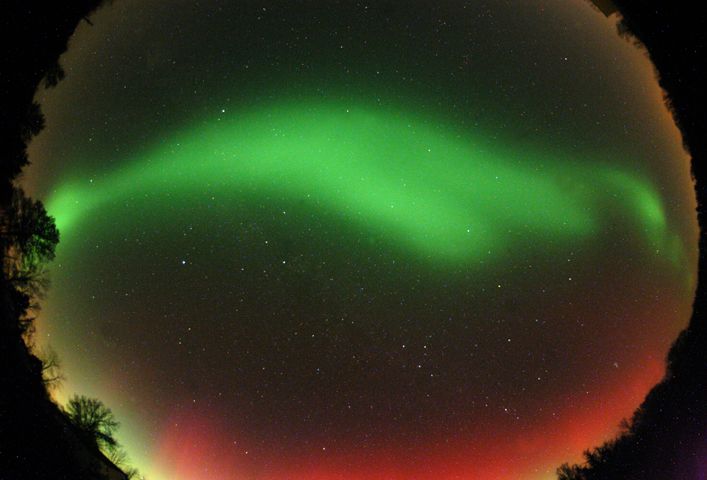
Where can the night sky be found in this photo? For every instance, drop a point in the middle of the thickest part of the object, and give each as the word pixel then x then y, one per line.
pixel 342 240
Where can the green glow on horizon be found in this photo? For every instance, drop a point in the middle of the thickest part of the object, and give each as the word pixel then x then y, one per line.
pixel 422 186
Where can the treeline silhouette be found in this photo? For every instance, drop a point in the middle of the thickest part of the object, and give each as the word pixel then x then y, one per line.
pixel 38 439
pixel 666 439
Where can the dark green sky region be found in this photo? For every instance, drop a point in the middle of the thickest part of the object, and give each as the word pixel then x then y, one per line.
pixel 400 240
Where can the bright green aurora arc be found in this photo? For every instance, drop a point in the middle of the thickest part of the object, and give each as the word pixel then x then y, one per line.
pixel 436 192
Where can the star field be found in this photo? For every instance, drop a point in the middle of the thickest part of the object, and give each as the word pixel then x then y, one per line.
pixel 358 241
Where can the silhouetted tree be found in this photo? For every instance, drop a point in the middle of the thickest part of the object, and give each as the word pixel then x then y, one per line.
pixel 94 420
pixel 28 241
pixel 32 123
pixel 134 474
pixel 30 231
pixel 29 238
pixel 120 458
pixel 51 368
pixel 608 461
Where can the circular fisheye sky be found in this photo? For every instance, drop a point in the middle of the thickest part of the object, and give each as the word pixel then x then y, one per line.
pixel 350 240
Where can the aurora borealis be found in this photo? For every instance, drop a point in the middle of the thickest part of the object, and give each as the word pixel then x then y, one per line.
pixel 428 191
pixel 340 240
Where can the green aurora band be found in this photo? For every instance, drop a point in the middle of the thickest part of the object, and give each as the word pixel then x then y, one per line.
pixel 415 182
